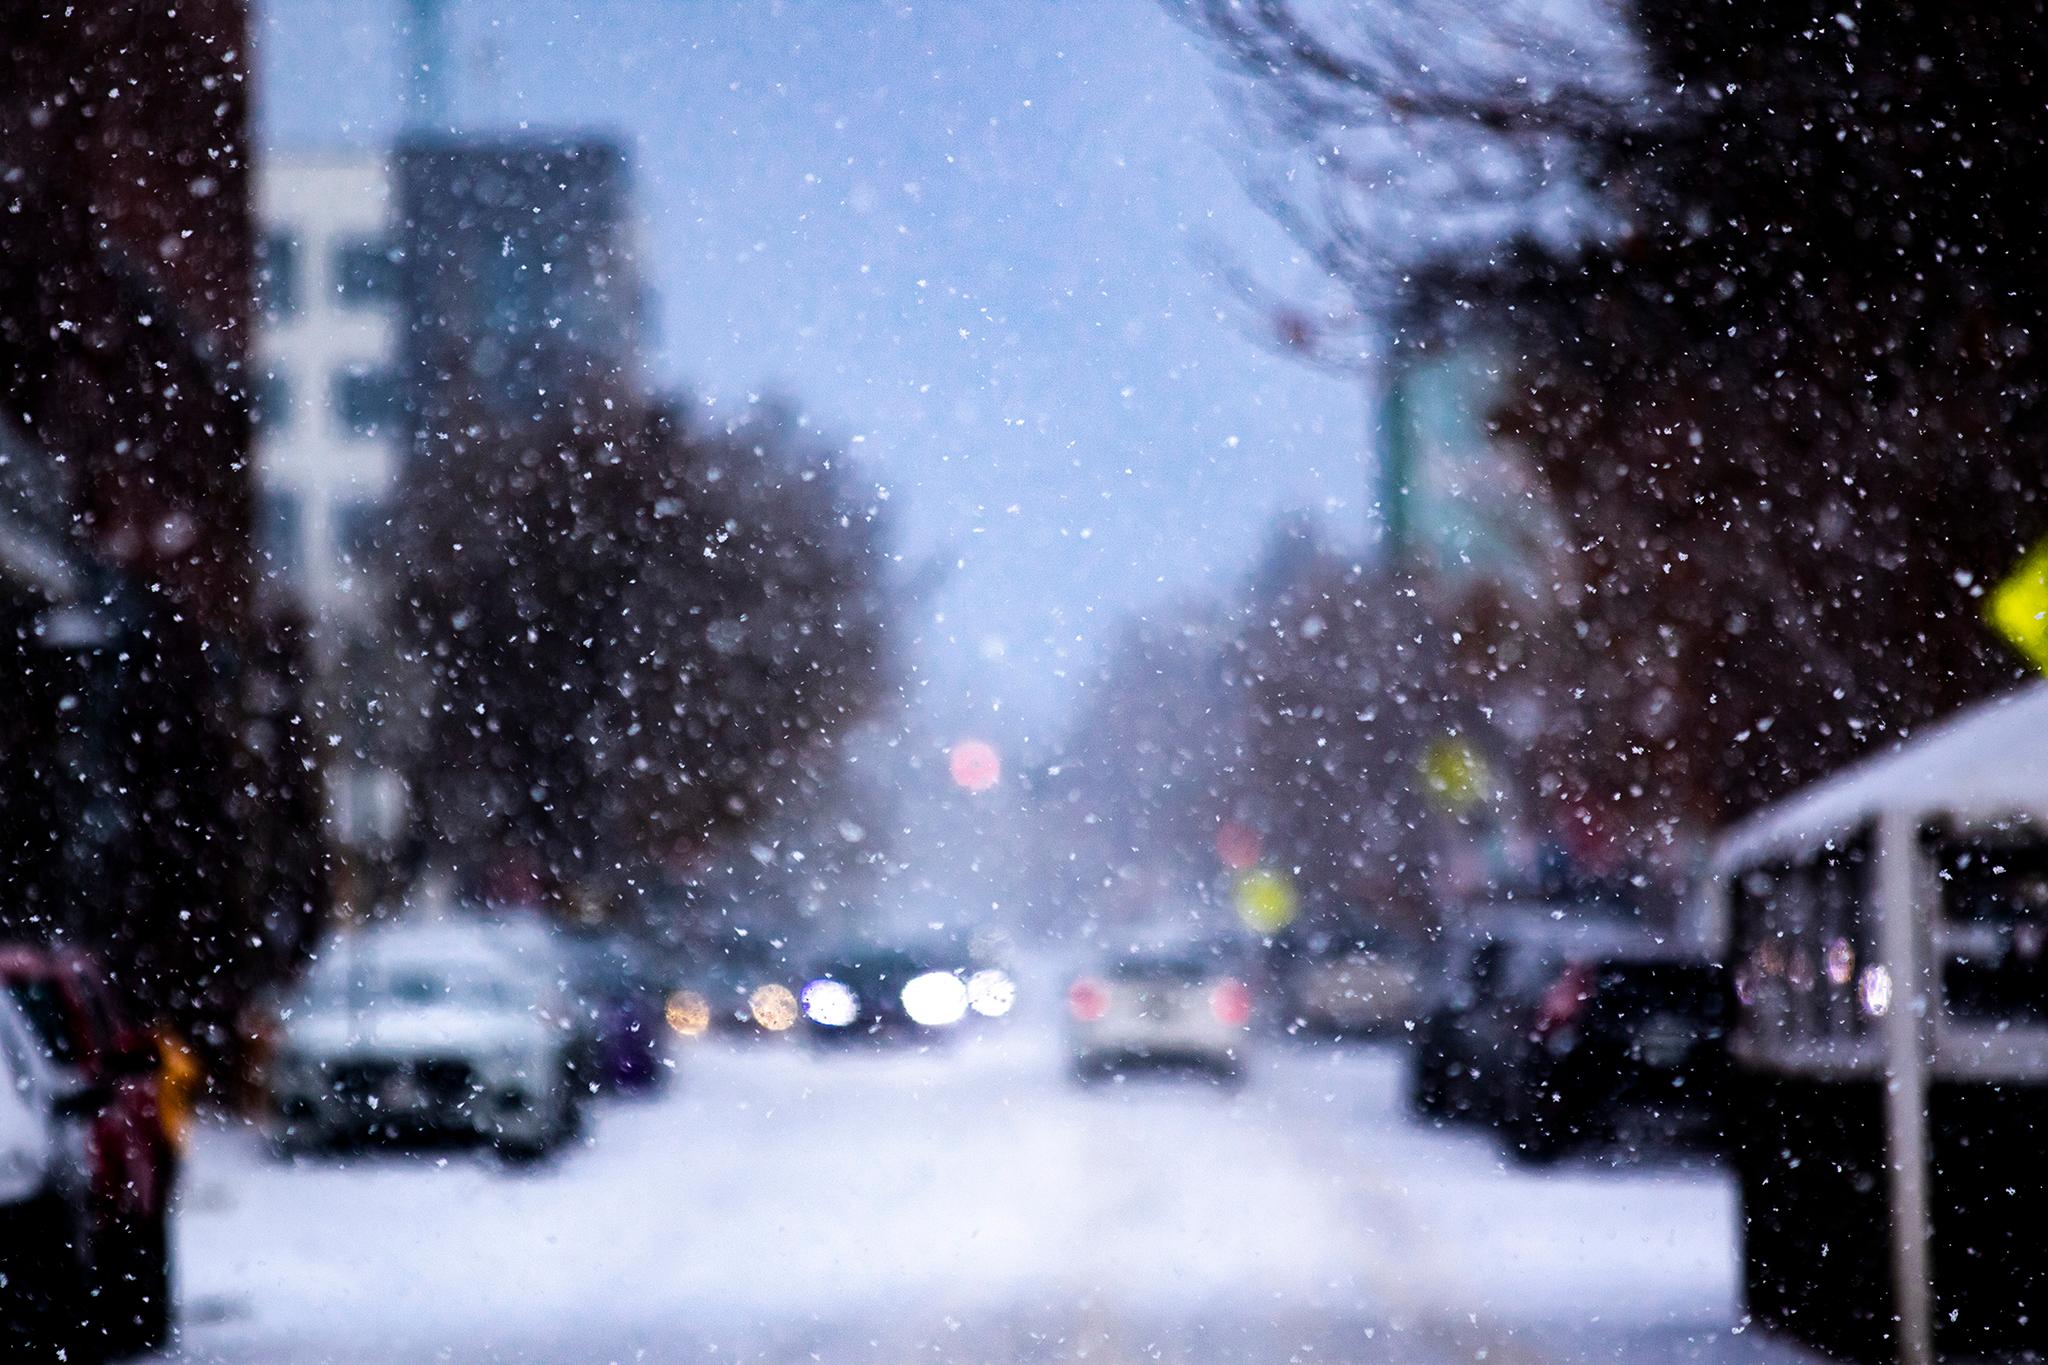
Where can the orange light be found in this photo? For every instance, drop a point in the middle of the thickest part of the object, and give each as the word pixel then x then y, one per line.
pixel 975 765
pixel 689 1013
pixel 773 1007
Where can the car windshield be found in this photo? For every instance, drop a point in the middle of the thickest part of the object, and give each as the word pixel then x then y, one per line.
pixel 1185 965
pixel 352 984
pixel 420 984
pixel 41 1003
pixel 1021 682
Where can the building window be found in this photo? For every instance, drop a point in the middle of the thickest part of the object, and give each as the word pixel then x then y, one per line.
pixel 277 274
pixel 359 529
pixel 280 534
pixel 270 399
pixel 365 273
pixel 366 401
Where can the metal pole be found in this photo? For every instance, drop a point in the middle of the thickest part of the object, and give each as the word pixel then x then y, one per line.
pixel 1905 1099
pixel 427 81
pixel 1396 466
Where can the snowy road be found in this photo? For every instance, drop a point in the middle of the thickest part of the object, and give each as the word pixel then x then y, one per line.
pixel 966 1205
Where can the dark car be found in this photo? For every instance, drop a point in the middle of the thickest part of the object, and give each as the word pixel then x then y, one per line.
pixel 99 1053
pixel 1620 1047
pixel 1470 1039
pixel 884 992
pixel 621 1004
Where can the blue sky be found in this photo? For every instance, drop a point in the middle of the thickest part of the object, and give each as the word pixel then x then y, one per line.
pixel 975 241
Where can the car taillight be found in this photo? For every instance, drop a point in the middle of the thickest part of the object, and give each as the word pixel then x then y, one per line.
pixel 1089 1000
pixel 1565 1001
pixel 1231 1003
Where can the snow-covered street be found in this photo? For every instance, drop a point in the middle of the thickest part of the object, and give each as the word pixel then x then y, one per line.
pixel 969 1204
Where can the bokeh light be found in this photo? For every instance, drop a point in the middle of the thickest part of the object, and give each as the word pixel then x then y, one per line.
pixel 1266 900
pixel 935 999
pixel 830 1003
pixel 990 992
pixel 689 1013
pixel 1237 846
pixel 975 765
pixel 773 1007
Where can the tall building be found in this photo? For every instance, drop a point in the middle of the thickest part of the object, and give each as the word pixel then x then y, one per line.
pixel 518 275
pixel 327 424
pixel 328 436
pixel 155 772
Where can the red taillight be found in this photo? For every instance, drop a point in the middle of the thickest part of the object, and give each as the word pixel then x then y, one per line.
pixel 1564 1001
pixel 1088 1000
pixel 1231 1003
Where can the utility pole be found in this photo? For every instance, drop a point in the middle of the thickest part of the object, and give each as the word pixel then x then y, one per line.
pixel 1396 467
pixel 1902 949
pixel 426 105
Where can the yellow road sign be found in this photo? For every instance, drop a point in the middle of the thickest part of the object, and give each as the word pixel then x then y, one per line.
pixel 2018 607
pixel 1454 774
pixel 1265 901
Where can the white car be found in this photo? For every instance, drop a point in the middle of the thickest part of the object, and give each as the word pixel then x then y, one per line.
pixel 1186 1006
pixel 1360 990
pixel 46 1267
pixel 410 1029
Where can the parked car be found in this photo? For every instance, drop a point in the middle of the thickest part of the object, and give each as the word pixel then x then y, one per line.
pixel 1185 1005
pixel 98 1054
pixel 1621 1047
pixel 1336 985
pixel 47 1266
pixel 885 993
pixel 1469 1039
pixel 408 1030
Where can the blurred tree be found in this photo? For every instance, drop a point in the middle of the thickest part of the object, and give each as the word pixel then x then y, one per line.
pixel 629 636
pixel 1773 271
pixel 1293 723
pixel 1134 800
pixel 1341 689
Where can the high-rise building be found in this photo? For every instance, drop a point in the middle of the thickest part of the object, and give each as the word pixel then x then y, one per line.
pixel 329 432
pixel 518 277
pixel 328 426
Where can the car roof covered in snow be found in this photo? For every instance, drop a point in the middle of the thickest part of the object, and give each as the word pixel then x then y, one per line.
pixel 474 949
pixel 1987 760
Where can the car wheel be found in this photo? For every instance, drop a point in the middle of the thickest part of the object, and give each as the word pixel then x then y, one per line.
pixel 1426 1083
pixel 136 1287
pixel 291 1140
pixel 49 1290
pixel 571 1112
pixel 30 1305
pixel 1534 1127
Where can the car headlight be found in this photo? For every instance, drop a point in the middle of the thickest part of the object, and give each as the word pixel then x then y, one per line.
pixel 935 999
pixel 773 1007
pixel 990 992
pixel 688 1013
pixel 830 1003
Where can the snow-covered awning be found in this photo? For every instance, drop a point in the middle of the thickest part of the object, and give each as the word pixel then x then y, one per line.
pixel 33 556
pixel 1987 760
